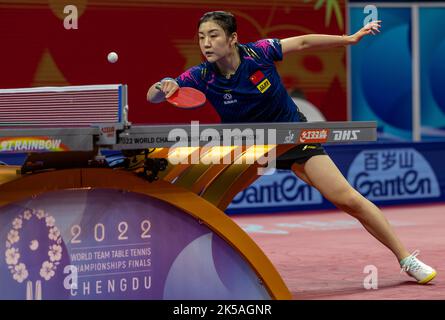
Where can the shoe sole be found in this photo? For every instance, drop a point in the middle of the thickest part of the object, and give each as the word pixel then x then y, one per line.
pixel 428 279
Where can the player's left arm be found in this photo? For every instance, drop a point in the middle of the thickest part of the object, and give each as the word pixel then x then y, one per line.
pixel 321 41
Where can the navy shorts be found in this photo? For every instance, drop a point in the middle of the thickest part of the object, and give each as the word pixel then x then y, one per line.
pixel 299 154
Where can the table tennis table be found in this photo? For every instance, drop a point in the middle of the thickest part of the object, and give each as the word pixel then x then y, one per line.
pixel 65 132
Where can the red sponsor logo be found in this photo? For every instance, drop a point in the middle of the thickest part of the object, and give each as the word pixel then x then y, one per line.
pixel 107 130
pixel 257 77
pixel 313 136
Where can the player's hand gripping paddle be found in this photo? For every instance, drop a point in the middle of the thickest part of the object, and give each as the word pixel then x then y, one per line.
pixel 186 98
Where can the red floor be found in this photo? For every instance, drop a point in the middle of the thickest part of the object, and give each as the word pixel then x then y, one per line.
pixel 323 255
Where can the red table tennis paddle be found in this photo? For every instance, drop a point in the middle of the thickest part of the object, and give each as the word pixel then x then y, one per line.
pixel 187 98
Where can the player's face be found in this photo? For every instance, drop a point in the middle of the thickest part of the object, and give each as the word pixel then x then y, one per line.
pixel 214 42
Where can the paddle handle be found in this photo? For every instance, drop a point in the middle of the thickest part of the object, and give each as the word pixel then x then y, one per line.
pixel 158 85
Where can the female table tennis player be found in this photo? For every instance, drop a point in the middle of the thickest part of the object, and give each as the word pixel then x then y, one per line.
pixel 242 83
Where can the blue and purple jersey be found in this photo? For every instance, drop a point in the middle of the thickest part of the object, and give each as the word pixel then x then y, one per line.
pixel 254 93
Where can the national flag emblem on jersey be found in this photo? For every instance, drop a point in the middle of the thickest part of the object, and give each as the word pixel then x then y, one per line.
pixel 260 80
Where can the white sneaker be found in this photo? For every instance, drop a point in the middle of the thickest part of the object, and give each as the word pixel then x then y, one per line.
pixel 417 269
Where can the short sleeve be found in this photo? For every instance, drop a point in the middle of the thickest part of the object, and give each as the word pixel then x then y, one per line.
pixel 269 49
pixel 190 78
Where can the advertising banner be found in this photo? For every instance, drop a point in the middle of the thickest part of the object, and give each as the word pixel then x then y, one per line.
pixel 111 244
pixel 387 173
pixel 432 76
pixel 381 73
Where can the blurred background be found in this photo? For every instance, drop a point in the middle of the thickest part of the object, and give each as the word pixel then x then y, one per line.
pixel 155 39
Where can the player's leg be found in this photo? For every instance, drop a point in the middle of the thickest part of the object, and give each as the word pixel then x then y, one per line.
pixel 324 175
pixel 301 175
pixel 321 172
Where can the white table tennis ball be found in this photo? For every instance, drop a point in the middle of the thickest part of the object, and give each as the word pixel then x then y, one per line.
pixel 112 57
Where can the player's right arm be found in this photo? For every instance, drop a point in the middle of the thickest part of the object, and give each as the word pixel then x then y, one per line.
pixel 167 87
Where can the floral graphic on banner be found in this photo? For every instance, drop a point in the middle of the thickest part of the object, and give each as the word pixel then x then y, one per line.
pixel 330 5
pixel 49 266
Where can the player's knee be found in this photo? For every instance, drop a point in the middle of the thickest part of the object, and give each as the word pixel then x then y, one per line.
pixel 349 201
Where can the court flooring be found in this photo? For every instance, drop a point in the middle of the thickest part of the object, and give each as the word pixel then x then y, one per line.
pixel 329 255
